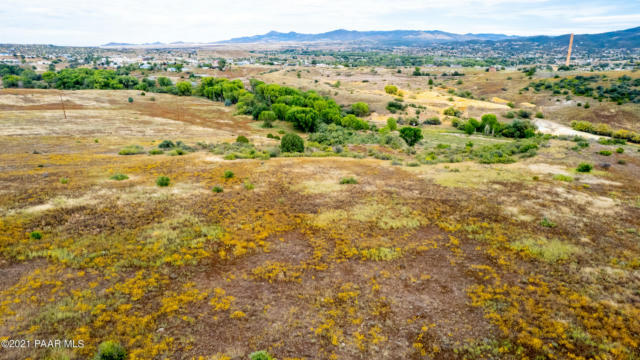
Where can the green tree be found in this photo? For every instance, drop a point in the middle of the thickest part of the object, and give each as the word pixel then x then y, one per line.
pixel 360 109
pixel 184 88
pixel 489 123
pixel 392 124
pixel 11 81
pixel 305 119
pixel 164 81
pixel 291 143
pixel 330 115
pixel 469 128
pixel 411 135
pixel 280 110
pixel 267 116
pixel 352 122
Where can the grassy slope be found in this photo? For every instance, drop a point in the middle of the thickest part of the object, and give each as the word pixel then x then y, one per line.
pixel 445 260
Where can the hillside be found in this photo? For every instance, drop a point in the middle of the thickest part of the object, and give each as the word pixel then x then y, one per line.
pixel 395 37
pixel 629 38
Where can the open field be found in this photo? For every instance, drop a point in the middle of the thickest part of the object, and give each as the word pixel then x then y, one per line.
pixel 418 259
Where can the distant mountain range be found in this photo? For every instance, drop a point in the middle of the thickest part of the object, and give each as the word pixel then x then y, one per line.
pixel 376 37
pixel 157 43
pixel 629 38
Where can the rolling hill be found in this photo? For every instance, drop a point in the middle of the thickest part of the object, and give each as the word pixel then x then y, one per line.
pixel 395 37
pixel 629 38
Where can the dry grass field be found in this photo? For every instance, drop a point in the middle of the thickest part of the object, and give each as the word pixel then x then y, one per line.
pixel 460 260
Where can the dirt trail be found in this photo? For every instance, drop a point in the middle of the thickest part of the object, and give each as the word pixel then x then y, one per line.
pixel 553 128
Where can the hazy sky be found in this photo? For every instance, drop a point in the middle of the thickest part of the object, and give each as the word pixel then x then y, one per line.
pixel 89 22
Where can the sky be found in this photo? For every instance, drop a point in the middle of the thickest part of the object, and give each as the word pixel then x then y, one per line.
pixel 90 22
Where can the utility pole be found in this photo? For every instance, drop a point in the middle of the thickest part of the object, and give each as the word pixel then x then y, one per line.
pixel 63 110
pixel 569 52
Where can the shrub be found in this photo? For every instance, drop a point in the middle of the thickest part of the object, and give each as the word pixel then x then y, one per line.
pixel 391 89
pixel 130 100
pixel 291 143
pixel 469 128
pixel 155 152
pixel 524 114
pixel 35 235
pixel 273 152
pixel 392 124
pixel 608 141
pixel 248 185
pixel 619 150
pixel 349 180
pixel 604 152
pixel 509 115
pixel 119 177
pixel 267 116
pixel 177 152
pixel 562 177
pixel 163 181
pixel 622 162
pixel 260 355
pixel 360 109
pixel 502 153
pixel 131 150
pixel 451 111
pixel 217 189
pixel 518 129
pixel 228 174
pixel 547 223
pixel 539 115
pixel 584 168
pixel 411 135
pixel 242 139
pixel 166 144
pixel 352 122
pixel 395 106
pixel 110 350
pixel 64 180
pixel 547 250
pixel 433 121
